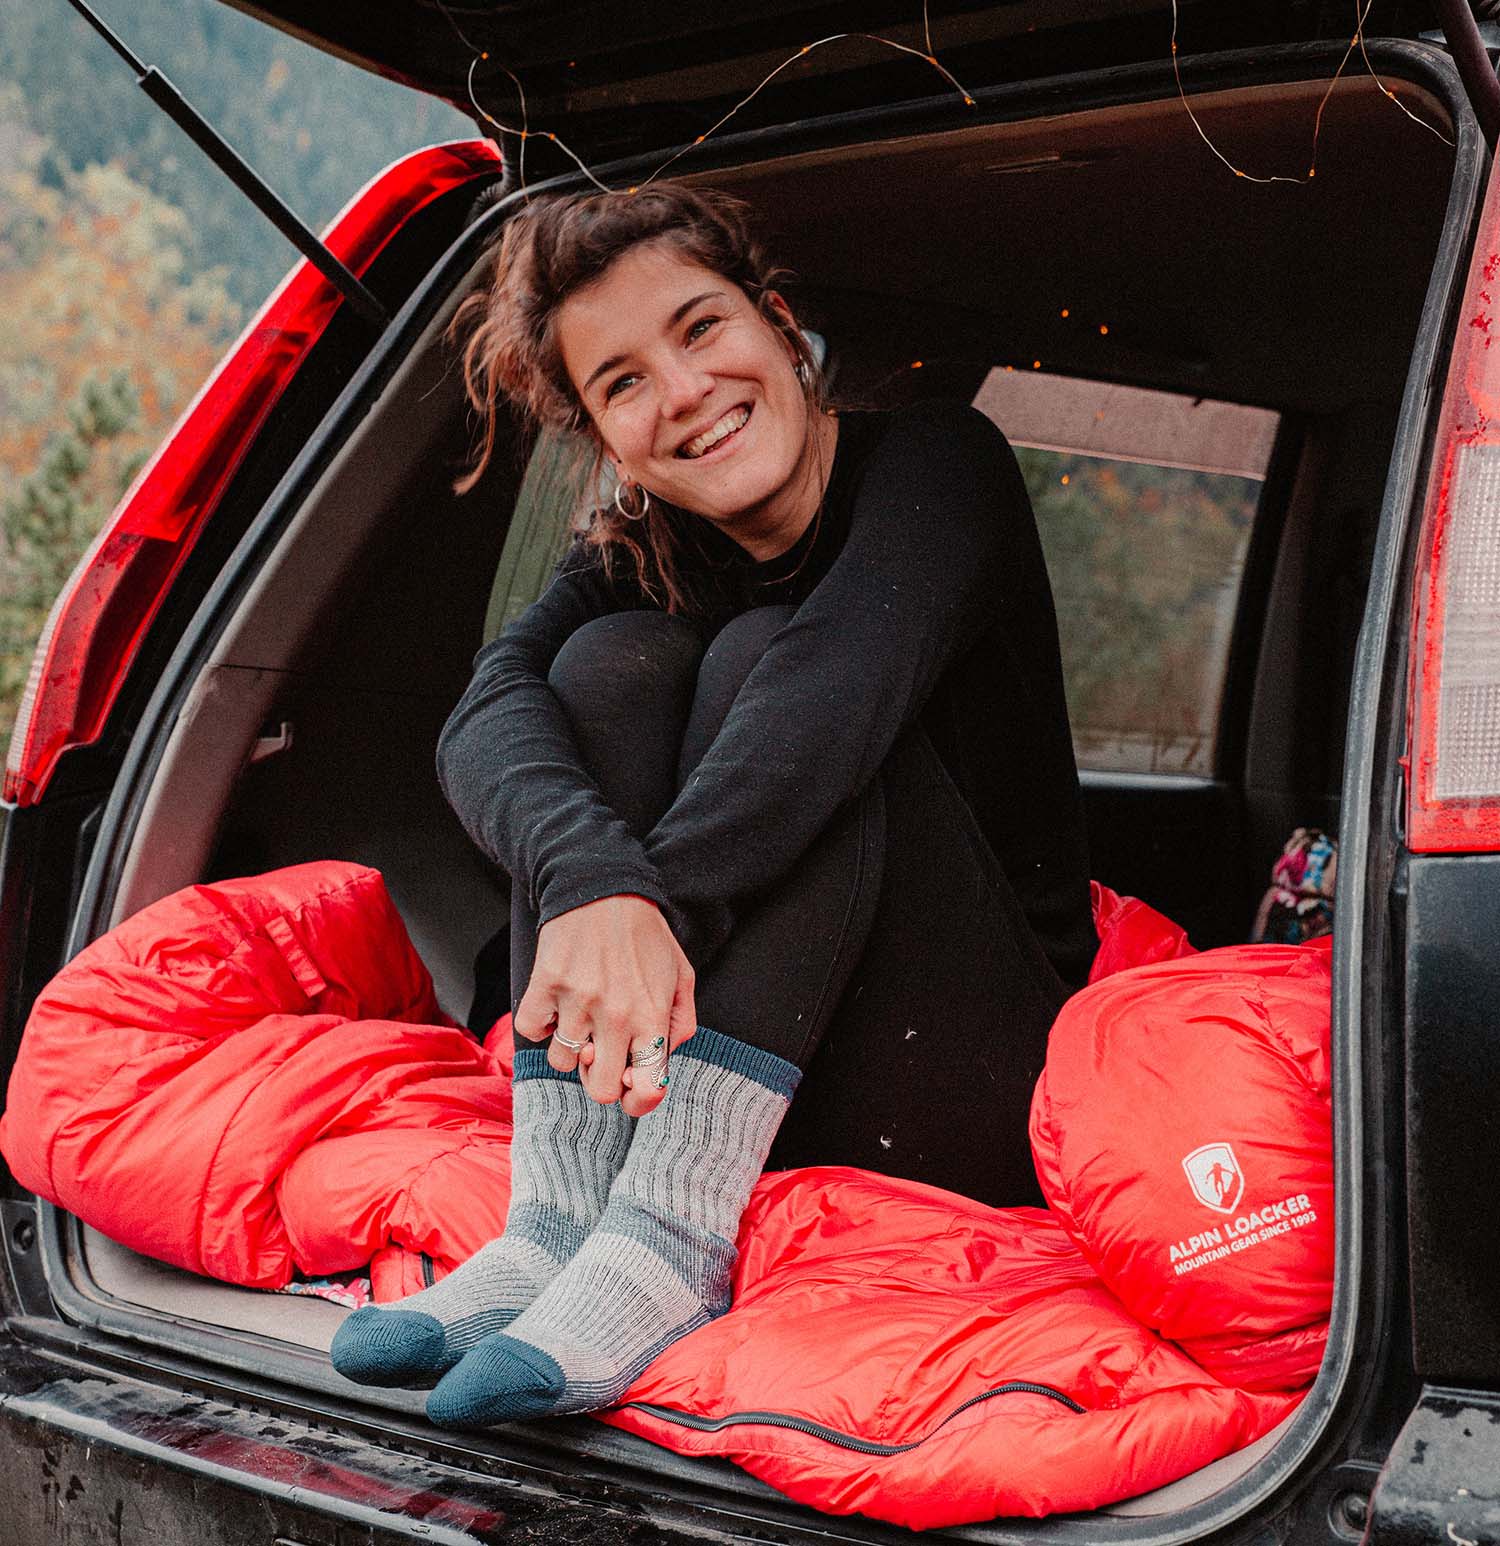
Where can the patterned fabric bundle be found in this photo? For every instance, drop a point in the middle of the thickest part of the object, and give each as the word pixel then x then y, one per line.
pixel 1299 905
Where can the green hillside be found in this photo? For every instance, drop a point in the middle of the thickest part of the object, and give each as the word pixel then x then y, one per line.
pixel 127 262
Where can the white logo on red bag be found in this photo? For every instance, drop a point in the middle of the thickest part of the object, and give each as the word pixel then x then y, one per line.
pixel 1214 1175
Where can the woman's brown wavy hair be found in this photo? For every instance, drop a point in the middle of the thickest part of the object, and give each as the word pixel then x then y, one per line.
pixel 553 248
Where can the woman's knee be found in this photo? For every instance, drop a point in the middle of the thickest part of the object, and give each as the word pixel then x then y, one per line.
pixel 627 662
pixel 736 648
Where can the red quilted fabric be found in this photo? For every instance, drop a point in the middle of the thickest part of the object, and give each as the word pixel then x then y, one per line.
pixel 1181 1131
pixel 253 1077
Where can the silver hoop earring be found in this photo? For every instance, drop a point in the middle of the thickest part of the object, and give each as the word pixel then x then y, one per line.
pixel 638 514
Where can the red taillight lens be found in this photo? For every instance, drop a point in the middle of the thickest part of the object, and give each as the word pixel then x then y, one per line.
pixel 1455 681
pixel 99 620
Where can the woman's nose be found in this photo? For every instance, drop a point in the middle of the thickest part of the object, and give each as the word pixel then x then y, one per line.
pixel 683 387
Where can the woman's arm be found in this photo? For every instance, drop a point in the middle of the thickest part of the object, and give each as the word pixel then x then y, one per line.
pixel 510 767
pixel 922 572
pixel 608 966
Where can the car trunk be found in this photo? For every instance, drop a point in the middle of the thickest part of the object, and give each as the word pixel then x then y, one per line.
pixel 300 714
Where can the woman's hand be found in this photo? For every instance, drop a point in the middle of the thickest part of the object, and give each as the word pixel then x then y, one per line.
pixel 612 975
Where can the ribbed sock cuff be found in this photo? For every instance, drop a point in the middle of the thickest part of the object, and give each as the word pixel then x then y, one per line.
pixel 765 1068
pixel 531 1063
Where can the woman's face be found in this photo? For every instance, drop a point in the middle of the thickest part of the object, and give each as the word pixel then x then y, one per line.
pixel 695 395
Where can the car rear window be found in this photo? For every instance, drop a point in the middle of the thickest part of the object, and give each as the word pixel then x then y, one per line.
pixel 1145 502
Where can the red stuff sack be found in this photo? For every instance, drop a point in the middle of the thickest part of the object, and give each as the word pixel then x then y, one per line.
pixel 1131 933
pixel 1181 1132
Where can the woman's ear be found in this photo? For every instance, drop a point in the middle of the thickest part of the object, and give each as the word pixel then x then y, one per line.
pixel 777 302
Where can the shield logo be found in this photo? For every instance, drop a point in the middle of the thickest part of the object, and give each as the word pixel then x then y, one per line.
pixel 1214 1175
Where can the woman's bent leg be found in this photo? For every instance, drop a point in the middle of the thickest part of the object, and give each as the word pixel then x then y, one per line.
pixel 896 966
pixel 776 982
pixel 658 1263
pixel 927 1068
pixel 627 682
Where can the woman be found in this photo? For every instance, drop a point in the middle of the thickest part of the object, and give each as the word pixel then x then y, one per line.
pixel 780 767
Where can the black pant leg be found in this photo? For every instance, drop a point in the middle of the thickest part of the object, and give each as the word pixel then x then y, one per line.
pixel 777 980
pixel 626 682
pixel 927 1068
pixel 644 708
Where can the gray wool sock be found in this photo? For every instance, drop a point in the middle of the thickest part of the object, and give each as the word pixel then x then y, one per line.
pixel 565 1153
pixel 658 1263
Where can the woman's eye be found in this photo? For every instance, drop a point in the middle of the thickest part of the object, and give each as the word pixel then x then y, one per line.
pixel 700 327
pixel 617 385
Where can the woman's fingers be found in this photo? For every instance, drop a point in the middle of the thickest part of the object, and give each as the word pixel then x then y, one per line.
pixel 682 1018
pixel 646 1078
pixel 569 1047
pixel 609 976
pixel 603 1078
pixel 536 1014
pixel 538 1017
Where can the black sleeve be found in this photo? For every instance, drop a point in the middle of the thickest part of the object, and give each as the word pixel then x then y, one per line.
pixel 511 769
pixel 910 592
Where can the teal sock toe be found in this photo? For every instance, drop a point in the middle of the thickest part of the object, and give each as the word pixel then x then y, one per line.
pixel 499 1381
pixel 389 1347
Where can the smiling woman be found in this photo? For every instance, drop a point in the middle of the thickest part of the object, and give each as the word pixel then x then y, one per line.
pixel 696 398
pixel 781 771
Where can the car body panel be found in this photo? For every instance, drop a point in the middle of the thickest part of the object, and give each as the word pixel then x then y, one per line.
pixel 1441 1483
pixel 1452 1076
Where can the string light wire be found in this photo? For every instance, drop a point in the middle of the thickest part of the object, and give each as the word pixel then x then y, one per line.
pixel 807 48
pixel 1361 11
pixel 929 56
pixel 525 132
pixel 1431 128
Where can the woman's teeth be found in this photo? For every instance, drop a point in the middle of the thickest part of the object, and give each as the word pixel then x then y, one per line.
pixel 734 420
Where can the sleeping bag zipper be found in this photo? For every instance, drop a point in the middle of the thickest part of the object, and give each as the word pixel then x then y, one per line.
pixel 832 1435
pixel 429 1273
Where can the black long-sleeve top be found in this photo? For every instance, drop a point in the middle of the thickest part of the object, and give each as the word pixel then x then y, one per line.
pixel 921 594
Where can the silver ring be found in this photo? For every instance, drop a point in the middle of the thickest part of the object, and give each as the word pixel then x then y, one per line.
pixel 652 1056
pixel 572 1046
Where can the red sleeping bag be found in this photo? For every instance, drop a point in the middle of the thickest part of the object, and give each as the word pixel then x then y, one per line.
pixel 899 1351
pixel 1181 1135
pixel 252 1078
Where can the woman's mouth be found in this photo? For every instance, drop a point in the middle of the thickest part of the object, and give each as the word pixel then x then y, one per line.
pixel 720 431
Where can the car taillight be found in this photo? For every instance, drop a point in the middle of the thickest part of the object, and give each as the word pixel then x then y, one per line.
pixel 1455 682
pixel 103 612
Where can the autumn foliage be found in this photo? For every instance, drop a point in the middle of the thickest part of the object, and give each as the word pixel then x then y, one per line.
pixel 109 328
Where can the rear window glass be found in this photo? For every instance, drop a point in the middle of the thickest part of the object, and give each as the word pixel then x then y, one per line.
pixel 1145 502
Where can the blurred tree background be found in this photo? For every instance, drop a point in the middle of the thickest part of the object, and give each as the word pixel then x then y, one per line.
pixel 1145 564
pixel 128 264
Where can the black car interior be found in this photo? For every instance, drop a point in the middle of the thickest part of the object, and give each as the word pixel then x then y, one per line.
pixel 958 249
